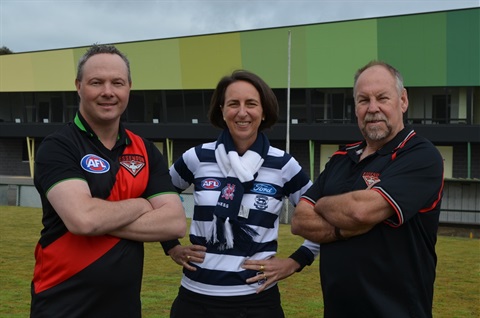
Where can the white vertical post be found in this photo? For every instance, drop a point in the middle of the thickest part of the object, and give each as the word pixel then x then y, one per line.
pixel 287 146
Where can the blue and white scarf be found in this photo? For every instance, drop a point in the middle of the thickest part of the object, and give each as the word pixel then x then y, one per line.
pixel 227 229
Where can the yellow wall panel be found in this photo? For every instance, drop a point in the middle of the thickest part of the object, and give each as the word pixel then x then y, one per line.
pixel 55 70
pixel 39 71
pixel 16 73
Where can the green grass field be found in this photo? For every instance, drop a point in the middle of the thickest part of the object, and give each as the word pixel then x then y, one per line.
pixel 457 287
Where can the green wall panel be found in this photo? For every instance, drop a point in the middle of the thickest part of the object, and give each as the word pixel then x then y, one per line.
pixel 265 52
pixel 463 47
pixel 205 59
pixel 416 46
pixel 298 57
pixel 336 50
pixel 154 64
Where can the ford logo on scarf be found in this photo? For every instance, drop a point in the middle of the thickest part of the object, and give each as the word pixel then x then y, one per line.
pixel 94 164
pixel 264 188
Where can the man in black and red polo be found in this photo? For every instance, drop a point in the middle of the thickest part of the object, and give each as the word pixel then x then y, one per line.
pixel 104 192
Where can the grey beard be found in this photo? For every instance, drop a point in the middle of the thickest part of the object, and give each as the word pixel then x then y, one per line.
pixel 377 134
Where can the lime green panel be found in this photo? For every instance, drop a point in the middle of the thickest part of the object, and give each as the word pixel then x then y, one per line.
pixel 337 50
pixel 205 59
pixel 463 48
pixel 416 46
pixel 154 64
pixel 265 52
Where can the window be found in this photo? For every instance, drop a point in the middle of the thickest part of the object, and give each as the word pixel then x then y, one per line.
pixel 174 103
pixel 298 105
pixel 441 109
pixel 194 106
pixel 281 95
pixel 136 108
pixel 320 112
pixel 332 107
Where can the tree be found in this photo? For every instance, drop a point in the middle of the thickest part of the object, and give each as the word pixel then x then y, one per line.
pixel 5 50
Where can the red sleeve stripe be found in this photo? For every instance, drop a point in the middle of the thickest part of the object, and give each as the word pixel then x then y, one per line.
pixel 395 206
pixel 434 204
pixel 308 200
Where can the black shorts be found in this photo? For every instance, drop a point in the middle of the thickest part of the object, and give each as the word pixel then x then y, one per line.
pixel 264 304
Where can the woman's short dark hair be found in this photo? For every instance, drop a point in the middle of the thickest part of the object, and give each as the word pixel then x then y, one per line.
pixel 267 98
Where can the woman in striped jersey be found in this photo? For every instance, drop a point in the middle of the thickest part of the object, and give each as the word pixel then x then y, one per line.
pixel 239 180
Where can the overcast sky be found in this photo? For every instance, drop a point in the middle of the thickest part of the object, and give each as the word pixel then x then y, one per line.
pixel 33 25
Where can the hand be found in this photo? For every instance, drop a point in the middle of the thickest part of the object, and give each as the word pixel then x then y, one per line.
pixel 270 270
pixel 184 255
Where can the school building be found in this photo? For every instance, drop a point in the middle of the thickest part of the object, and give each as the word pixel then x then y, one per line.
pixel 438 54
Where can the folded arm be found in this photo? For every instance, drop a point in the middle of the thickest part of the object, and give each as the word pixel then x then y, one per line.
pixel 355 212
pixel 352 213
pixel 136 219
pixel 166 221
pixel 310 225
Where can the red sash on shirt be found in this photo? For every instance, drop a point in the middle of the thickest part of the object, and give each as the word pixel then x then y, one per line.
pixel 71 253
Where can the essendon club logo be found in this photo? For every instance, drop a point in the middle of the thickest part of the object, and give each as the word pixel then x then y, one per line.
pixel 133 163
pixel 371 178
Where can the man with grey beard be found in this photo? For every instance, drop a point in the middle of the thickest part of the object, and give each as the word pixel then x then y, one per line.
pixel 375 209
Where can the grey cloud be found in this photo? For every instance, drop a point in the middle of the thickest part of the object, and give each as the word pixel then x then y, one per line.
pixel 53 24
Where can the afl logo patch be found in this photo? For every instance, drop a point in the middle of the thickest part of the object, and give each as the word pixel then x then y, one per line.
pixel 94 164
pixel 210 184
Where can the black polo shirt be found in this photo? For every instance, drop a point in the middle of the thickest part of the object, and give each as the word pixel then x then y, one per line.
pixel 92 276
pixel 390 270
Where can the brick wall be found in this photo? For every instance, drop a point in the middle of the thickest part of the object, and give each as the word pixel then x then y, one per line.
pixel 11 151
